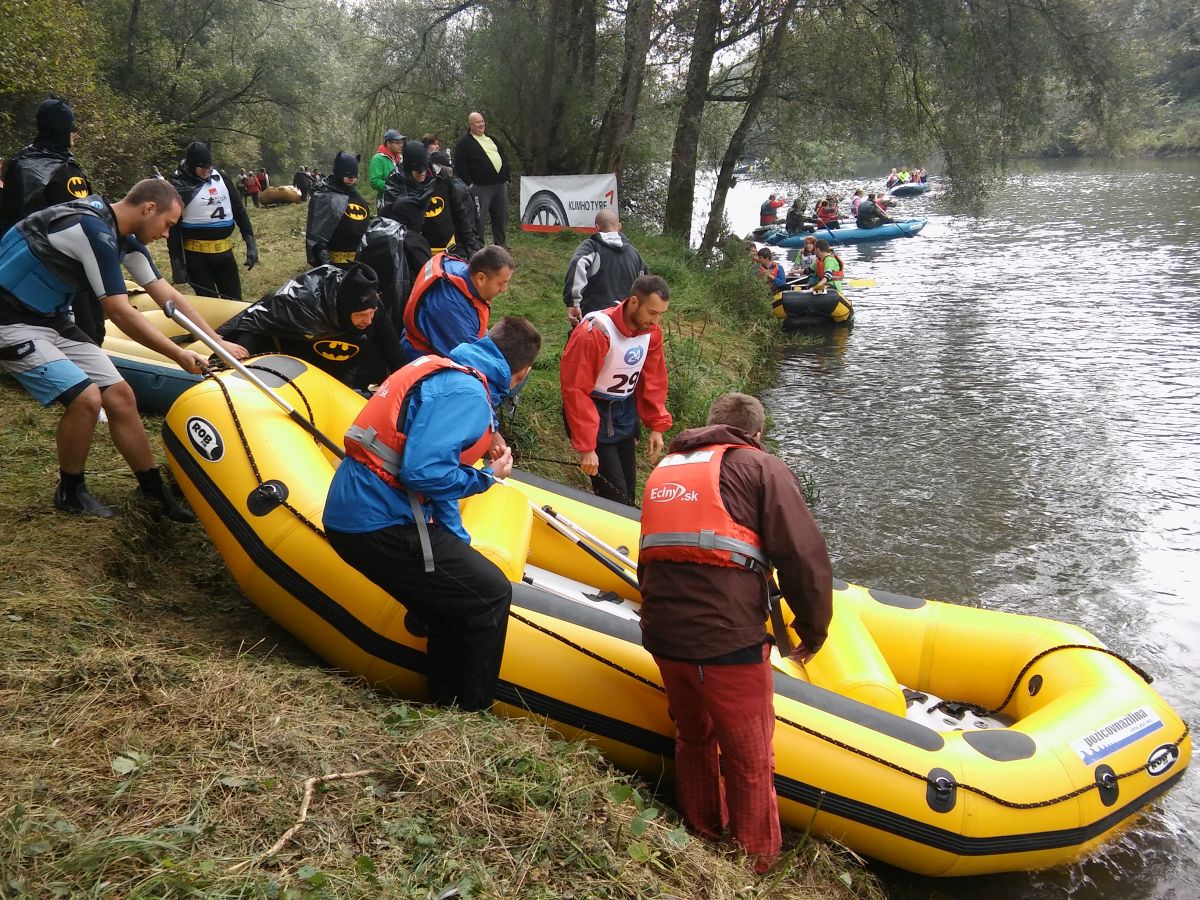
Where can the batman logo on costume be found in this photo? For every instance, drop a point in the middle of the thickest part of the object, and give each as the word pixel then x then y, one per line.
pixel 335 351
pixel 356 212
pixel 77 186
pixel 436 205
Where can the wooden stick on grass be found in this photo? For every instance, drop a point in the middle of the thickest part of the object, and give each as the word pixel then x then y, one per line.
pixel 309 787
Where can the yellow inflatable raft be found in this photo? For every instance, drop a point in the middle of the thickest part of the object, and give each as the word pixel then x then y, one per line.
pixel 1062 743
pixel 157 381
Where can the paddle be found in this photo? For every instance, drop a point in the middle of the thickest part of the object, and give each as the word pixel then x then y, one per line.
pixel 178 317
pixel 578 540
pixel 850 282
pixel 617 554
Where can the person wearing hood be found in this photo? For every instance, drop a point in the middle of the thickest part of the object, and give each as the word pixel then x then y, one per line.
pixel 601 270
pixel 720 512
pixel 200 247
pixel 45 173
pixel 613 373
pixel 337 216
pixel 392 509
pixel 408 193
pixel 387 155
pixel 408 198
pixel 451 300
pixel 450 220
pixel 328 316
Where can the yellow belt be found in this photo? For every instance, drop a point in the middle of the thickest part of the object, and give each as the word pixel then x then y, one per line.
pixel 195 246
pixel 450 246
pixel 341 256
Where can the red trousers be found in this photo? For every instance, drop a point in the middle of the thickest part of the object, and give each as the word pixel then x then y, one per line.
pixel 724 724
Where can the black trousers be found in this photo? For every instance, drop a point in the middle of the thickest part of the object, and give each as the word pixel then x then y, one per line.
pixel 463 605
pixel 214 274
pixel 617 479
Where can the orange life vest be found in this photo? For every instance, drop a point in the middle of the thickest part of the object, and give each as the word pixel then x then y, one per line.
pixel 824 270
pixel 376 442
pixel 431 273
pixel 685 520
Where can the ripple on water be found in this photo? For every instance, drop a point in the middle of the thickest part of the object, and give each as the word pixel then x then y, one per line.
pixel 1014 421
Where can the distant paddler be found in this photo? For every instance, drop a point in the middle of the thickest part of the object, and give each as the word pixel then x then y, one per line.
pixel 829 271
pixel 337 216
pixel 201 248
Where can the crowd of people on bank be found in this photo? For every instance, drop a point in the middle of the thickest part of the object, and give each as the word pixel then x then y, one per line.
pixel 417 283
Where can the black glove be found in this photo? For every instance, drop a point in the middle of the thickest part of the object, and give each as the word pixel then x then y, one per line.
pixel 179 272
pixel 251 252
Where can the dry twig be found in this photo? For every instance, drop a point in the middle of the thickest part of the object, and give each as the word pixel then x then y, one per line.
pixel 309 787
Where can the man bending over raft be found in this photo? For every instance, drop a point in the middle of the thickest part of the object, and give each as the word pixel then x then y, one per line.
pixel 719 511
pixel 45 261
pixel 392 510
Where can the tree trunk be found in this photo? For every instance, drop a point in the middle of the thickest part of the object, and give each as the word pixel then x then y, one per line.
pixel 767 53
pixel 681 190
pixel 543 116
pixel 638 16
pixel 135 11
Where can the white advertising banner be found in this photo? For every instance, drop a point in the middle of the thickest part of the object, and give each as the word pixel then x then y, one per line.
pixel 561 202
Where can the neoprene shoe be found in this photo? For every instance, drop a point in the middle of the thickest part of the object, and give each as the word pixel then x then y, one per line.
pixel 170 507
pixel 80 502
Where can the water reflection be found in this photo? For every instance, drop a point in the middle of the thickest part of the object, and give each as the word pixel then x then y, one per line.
pixel 1014 421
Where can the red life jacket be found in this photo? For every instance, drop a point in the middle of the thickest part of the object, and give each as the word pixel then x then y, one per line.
pixel 431 273
pixel 685 520
pixel 374 439
pixel 824 271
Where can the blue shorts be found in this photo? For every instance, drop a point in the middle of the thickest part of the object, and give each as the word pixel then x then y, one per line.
pixel 52 367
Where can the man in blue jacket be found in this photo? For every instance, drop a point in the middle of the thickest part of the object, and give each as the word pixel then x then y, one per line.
pixel 451 300
pixel 392 509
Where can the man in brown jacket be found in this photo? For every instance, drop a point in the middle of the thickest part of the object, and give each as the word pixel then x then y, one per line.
pixel 717 513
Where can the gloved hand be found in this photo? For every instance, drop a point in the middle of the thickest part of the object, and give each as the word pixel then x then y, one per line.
pixel 179 272
pixel 251 252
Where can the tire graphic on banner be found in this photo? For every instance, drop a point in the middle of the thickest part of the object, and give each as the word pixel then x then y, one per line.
pixel 544 208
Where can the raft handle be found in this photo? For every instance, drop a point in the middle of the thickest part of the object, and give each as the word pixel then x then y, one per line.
pixel 942 791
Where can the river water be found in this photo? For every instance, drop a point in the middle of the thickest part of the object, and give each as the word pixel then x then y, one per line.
pixel 1014 421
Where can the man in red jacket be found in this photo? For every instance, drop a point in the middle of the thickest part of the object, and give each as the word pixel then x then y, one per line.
pixel 612 374
pixel 717 513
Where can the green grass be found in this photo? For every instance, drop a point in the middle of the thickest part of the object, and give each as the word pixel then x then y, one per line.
pixel 157 731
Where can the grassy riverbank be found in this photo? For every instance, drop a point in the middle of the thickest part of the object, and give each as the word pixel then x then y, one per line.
pixel 157 731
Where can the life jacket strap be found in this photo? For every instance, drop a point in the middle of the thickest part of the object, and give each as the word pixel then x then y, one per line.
pixel 741 552
pixel 422 530
pixel 368 439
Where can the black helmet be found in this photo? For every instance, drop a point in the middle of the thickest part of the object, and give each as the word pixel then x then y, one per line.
pixel 345 165
pixel 55 120
pixel 416 157
pixel 195 155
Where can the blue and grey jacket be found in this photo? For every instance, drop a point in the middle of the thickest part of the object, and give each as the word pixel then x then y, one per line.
pixel 53 255
pixel 448 413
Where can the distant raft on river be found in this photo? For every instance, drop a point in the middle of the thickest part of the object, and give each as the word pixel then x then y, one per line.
pixel 779 237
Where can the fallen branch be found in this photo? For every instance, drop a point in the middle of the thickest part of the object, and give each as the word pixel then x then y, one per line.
pixel 309 787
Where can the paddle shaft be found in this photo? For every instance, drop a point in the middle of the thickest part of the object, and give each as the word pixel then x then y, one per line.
pixel 227 358
pixel 587 535
pixel 579 542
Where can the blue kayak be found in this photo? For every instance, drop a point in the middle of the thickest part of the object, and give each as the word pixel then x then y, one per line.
pixel 908 189
pixel 907 228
